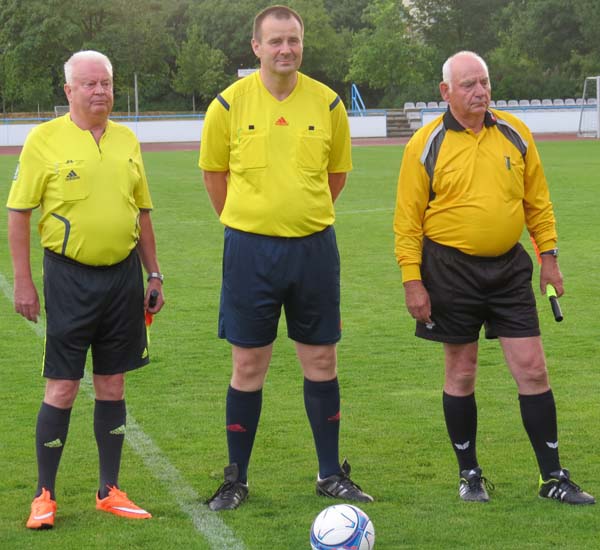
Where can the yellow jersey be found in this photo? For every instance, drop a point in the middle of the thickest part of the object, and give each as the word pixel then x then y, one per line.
pixel 278 155
pixel 472 192
pixel 90 194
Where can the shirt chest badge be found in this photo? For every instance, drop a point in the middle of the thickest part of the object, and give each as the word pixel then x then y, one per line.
pixel 72 175
pixel 281 121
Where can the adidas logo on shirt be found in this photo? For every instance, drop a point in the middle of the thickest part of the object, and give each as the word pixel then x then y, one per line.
pixel 281 121
pixel 72 175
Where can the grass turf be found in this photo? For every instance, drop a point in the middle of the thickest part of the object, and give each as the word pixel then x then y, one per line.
pixel 392 426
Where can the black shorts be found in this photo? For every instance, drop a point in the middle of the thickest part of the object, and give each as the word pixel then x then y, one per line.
pixel 467 292
pixel 97 307
pixel 261 274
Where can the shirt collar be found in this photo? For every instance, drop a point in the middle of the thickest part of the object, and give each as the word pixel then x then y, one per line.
pixel 450 123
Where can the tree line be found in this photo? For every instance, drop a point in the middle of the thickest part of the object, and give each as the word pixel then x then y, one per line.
pixel 183 52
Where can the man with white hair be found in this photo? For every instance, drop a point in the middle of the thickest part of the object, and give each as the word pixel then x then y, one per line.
pixel 87 176
pixel 469 182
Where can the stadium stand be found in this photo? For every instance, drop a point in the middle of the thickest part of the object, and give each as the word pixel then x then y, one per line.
pixel 546 102
pixel 501 103
pixel 523 103
pixel 432 105
pixel 535 102
pixel 570 101
pixel 513 103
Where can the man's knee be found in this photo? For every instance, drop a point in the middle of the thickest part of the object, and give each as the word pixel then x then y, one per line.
pixel 61 393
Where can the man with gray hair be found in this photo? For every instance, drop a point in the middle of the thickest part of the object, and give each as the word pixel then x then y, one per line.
pixel 86 174
pixel 469 182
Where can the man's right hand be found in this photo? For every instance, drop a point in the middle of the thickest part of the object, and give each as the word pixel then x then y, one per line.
pixel 417 301
pixel 26 299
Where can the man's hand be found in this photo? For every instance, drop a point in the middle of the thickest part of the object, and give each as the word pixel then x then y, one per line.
pixel 550 274
pixel 417 301
pixel 26 299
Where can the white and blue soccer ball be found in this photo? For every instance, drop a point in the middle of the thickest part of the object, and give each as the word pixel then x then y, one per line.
pixel 342 527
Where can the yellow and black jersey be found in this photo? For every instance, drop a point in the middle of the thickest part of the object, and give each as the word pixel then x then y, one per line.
pixel 90 194
pixel 472 192
pixel 278 155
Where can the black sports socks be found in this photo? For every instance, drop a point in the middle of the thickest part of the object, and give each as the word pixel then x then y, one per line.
pixel 322 403
pixel 50 437
pixel 109 429
pixel 242 416
pixel 539 418
pixel 461 422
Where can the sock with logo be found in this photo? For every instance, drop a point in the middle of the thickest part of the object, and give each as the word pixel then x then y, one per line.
pixel 242 416
pixel 109 429
pixel 50 438
pixel 322 404
pixel 539 418
pixel 461 422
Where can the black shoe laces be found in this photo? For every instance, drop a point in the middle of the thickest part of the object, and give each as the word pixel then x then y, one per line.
pixel 475 481
pixel 346 483
pixel 227 490
pixel 568 486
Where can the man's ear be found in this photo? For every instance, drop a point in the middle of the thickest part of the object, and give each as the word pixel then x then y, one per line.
pixel 444 90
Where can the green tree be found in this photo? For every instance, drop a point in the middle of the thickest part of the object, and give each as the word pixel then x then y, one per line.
pixel 387 57
pixel 346 14
pixel 448 26
pixel 200 69
pixel 35 42
pixel 542 52
pixel 227 26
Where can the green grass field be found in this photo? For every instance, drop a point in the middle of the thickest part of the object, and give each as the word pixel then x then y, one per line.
pixel 393 431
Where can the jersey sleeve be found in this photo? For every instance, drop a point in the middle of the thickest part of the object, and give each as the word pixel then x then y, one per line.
pixel 29 180
pixel 340 154
pixel 141 191
pixel 539 213
pixel 411 201
pixel 214 144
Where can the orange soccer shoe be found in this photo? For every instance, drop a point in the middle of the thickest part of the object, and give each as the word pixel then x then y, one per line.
pixel 43 511
pixel 117 503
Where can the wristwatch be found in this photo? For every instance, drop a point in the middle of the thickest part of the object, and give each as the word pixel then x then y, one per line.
pixel 551 252
pixel 156 275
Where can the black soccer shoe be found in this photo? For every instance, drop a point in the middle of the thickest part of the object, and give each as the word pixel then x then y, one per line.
pixel 472 486
pixel 561 488
pixel 231 493
pixel 340 486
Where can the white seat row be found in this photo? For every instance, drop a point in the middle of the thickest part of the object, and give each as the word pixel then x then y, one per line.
pixel 412 106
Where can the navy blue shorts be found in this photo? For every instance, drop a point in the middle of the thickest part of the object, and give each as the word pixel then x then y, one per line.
pixel 97 307
pixel 467 292
pixel 261 274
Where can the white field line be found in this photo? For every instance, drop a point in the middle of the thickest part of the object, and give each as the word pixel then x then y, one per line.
pixel 218 535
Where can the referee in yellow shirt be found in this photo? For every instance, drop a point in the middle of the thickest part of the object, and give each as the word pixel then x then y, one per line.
pixel 87 176
pixel 275 151
pixel 469 182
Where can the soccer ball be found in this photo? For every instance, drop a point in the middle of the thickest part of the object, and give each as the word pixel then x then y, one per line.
pixel 342 527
